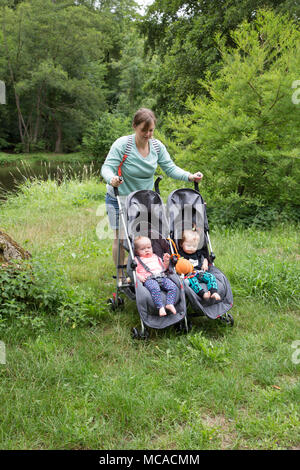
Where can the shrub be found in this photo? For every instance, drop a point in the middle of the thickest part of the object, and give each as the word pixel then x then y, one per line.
pixel 99 138
pixel 31 291
pixel 246 211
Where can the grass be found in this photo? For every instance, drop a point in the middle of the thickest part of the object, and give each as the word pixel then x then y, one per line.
pixel 96 388
pixel 49 157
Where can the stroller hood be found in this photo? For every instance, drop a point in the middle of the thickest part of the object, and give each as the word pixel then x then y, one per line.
pixel 146 209
pixel 185 209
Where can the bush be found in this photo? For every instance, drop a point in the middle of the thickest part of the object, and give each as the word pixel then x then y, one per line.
pixel 245 211
pixel 99 138
pixel 32 291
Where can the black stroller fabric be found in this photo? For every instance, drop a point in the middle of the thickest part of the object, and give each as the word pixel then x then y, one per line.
pixel 145 216
pixel 186 209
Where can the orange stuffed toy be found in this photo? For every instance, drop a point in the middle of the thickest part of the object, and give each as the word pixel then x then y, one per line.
pixel 182 266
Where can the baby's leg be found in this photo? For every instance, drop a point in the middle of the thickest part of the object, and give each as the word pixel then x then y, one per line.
pixel 195 285
pixel 215 296
pixel 154 289
pixel 171 289
pixel 212 285
pixel 162 312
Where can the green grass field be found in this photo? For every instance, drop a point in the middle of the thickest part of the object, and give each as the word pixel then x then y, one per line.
pixel 11 158
pixel 66 386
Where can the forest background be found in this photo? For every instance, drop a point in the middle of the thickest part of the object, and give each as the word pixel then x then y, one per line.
pixel 222 77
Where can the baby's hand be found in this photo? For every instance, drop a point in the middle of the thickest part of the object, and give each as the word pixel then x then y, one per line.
pixel 204 266
pixel 166 259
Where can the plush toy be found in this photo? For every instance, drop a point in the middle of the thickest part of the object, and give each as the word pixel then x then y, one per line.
pixel 184 266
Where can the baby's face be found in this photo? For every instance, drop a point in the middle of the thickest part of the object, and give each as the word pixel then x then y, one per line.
pixel 144 248
pixel 190 245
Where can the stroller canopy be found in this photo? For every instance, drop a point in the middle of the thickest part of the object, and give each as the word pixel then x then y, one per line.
pixel 145 214
pixel 186 210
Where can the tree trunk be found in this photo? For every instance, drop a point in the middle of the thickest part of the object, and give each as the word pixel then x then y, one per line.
pixel 9 250
pixel 38 115
pixel 22 126
pixel 58 137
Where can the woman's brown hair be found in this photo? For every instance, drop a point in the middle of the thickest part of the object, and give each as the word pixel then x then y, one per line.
pixel 144 115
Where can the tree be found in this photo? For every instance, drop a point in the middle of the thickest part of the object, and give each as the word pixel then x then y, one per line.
pixel 182 32
pixel 244 134
pixel 55 60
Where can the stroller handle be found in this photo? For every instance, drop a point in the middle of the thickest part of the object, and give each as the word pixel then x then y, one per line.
pixel 116 190
pixel 196 186
pixel 156 184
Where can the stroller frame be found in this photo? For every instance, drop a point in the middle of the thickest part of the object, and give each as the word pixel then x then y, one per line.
pixel 127 288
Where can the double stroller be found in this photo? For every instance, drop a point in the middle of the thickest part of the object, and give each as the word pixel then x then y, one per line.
pixel 144 214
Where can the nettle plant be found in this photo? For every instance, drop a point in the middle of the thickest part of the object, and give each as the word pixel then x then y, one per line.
pixel 31 292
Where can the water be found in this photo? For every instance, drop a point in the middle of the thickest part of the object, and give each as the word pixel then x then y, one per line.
pixel 12 175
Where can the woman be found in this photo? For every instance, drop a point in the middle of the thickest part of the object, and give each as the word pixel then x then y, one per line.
pixel 138 169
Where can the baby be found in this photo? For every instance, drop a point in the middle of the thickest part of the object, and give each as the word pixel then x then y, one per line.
pixel 189 249
pixel 150 271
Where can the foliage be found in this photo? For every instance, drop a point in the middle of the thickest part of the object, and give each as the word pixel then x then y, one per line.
pixel 32 291
pixel 101 134
pixel 243 136
pixel 182 34
pixel 134 74
pixel 55 64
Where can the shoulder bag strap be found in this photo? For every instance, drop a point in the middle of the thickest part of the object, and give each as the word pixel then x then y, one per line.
pixel 126 154
pixel 156 146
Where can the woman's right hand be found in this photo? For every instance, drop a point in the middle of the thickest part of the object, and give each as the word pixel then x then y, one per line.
pixel 116 181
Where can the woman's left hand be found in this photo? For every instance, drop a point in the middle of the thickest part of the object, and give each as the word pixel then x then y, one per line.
pixel 196 177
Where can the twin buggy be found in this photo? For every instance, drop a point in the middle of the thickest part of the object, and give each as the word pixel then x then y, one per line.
pixel 145 214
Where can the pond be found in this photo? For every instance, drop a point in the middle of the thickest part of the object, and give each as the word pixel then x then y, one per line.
pixel 13 174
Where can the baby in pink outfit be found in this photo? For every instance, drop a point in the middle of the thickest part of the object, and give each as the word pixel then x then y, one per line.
pixel 149 266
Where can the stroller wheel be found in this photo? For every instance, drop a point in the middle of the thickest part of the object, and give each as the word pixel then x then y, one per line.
pixel 184 326
pixel 228 319
pixel 111 303
pixel 145 334
pixel 115 302
pixel 137 334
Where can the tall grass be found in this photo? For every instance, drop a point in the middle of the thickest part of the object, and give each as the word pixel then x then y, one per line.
pixel 93 387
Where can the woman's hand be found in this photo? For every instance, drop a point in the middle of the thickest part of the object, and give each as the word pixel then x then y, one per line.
pixel 116 181
pixel 196 177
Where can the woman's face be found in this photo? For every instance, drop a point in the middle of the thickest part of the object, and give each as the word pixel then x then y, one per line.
pixel 144 132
